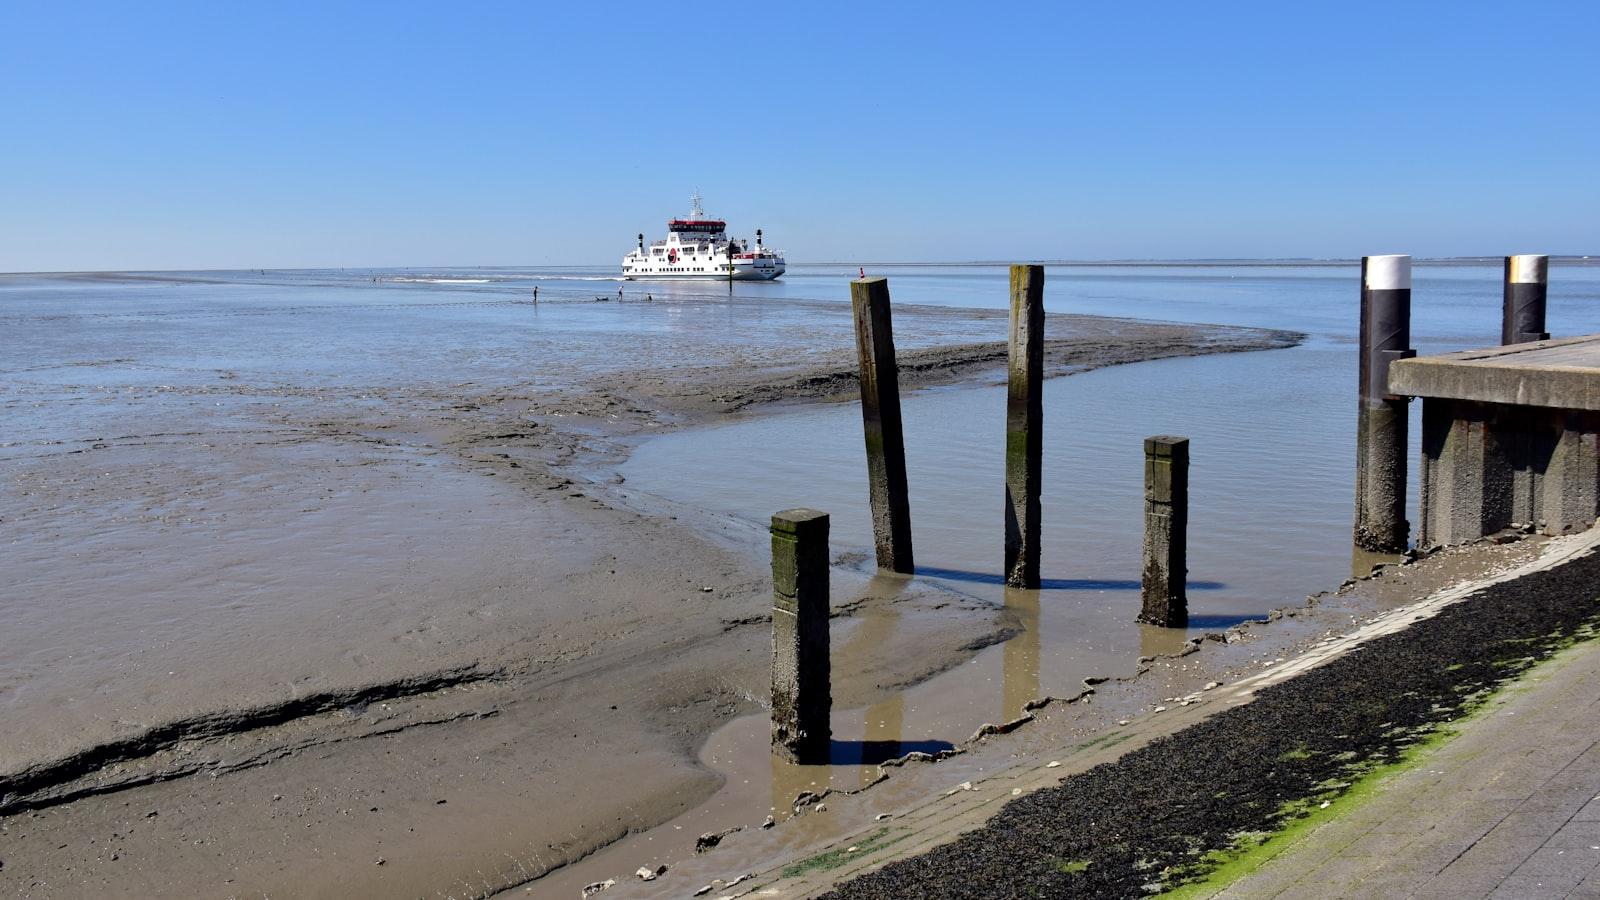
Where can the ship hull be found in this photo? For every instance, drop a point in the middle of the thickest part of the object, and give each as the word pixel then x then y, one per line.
pixel 767 274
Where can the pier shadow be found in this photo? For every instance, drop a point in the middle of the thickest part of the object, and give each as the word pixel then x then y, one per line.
pixel 1056 584
pixel 873 752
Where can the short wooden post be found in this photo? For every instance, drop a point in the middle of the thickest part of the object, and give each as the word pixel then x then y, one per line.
pixel 1382 421
pixel 1166 531
pixel 1024 426
pixel 800 670
pixel 1527 286
pixel 880 419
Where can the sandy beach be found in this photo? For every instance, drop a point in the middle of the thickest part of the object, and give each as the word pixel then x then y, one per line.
pixel 322 609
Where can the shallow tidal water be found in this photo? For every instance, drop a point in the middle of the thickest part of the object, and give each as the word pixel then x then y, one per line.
pixel 1272 450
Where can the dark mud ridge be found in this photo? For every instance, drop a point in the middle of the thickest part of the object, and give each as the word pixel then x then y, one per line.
pixel 1146 822
pixel 173 749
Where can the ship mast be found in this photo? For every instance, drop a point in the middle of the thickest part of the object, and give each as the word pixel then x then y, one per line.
pixel 696 212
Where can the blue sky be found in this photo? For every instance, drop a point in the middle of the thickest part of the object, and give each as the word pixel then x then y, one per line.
pixel 214 135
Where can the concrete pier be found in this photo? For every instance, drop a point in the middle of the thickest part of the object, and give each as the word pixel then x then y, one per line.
pixel 1527 283
pixel 1509 436
pixel 1166 532
pixel 1024 426
pixel 1381 423
pixel 801 696
pixel 880 419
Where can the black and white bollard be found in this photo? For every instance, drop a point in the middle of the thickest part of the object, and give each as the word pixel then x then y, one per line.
pixel 1527 285
pixel 801 696
pixel 1381 424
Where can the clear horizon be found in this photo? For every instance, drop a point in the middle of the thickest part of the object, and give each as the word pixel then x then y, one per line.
pixel 1556 259
pixel 185 137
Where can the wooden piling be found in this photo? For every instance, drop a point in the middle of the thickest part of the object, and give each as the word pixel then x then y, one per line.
pixel 880 419
pixel 801 696
pixel 1024 426
pixel 1527 280
pixel 1382 421
pixel 1166 532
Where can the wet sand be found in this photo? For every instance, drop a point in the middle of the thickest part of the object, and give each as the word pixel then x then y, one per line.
pixel 335 597
pixel 821 811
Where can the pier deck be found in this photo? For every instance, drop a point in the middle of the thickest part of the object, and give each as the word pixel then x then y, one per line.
pixel 1510 437
pixel 1562 373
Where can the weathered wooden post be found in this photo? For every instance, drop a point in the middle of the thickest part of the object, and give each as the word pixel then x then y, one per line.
pixel 1381 424
pixel 1024 425
pixel 880 419
pixel 801 696
pixel 1527 285
pixel 1166 531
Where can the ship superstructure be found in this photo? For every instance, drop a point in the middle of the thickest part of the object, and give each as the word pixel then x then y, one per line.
pixel 699 247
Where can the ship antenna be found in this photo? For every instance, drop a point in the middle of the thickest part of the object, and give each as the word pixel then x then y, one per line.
pixel 696 212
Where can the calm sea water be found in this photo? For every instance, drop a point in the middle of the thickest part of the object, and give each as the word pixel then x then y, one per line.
pixel 1273 440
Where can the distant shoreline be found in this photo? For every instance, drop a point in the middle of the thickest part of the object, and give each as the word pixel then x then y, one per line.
pixel 1293 263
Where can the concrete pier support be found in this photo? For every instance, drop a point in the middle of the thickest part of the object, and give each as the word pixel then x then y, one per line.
pixel 1568 495
pixel 1486 466
pixel 1024 426
pixel 1526 288
pixel 1457 476
pixel 801 697
pixel 880 419
pixel 1166 531
pixel 1381 424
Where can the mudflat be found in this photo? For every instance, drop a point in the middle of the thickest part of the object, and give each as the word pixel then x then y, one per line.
pixel 332 589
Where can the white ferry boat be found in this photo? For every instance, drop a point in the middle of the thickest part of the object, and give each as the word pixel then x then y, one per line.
pixel 699 247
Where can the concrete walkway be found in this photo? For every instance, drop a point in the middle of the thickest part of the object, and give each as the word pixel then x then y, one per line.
pixel 1509 808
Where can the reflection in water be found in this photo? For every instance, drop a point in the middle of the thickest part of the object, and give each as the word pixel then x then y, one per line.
pixel 1021 663
pixel 885 719
pixel 1362 562
pixel 1155 640
pixel 790 779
